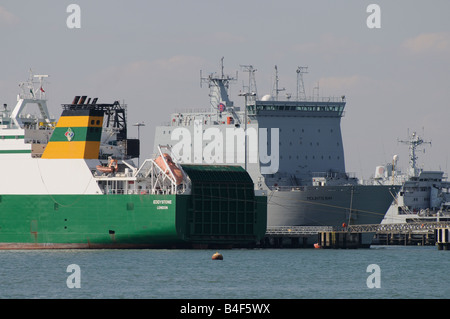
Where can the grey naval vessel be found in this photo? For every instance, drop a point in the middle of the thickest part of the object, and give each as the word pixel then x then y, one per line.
pixel 425 194
pixel 292 149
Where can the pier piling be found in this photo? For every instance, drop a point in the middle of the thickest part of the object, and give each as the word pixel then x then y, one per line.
pixel 442 238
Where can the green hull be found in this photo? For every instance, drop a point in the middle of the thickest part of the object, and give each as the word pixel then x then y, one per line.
pixel 207 206
pixel 126 221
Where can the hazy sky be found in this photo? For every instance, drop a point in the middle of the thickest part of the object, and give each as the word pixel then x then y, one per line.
pixel 149 54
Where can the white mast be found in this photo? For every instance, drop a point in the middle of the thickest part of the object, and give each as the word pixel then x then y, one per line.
pixel 251 89
pixel 277 90
pixel 301 94
pixel 218 86
pixel 414 142
pixel 29 95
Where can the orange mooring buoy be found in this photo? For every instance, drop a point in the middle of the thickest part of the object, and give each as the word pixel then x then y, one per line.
pixel 217 256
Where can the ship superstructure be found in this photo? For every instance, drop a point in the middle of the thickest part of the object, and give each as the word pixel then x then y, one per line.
pixel 425 195
pixel 81 189
pixel 25 133
pixel 291 148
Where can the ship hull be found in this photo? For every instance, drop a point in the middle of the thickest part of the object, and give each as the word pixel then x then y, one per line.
pixel 330 206
pixel 120 221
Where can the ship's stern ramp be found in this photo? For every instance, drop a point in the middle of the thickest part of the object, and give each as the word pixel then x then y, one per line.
pixel 222 208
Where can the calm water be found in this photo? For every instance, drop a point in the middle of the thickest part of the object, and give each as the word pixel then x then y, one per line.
pixel 406 272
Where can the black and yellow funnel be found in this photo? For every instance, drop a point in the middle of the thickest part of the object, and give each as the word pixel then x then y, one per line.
pixel 77 133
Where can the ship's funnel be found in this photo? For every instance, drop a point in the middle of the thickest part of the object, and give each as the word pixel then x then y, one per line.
pixel 76 99
pixel 77 133
pixel 83 98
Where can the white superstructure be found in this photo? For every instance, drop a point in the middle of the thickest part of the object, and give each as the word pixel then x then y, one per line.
pixel 425 195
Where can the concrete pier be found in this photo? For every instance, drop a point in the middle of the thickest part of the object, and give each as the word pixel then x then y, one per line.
pixel 357 236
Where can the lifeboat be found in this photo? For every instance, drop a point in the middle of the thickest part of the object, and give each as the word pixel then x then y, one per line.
pixel 111 168
pixel 317 246
pixel 170 167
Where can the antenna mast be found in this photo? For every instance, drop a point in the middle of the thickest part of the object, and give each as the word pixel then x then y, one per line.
pixel 301 94
pixel 414 142
pixel 316 89
pixel 28 88
pixel 218 88
pixel 41 81
pixel 253 95
pixel 28 95
pixel 277 90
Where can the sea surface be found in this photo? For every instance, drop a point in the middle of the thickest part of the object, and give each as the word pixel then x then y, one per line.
pixel 403 272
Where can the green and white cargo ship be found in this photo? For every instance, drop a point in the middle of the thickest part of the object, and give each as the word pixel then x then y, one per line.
pixel 73 184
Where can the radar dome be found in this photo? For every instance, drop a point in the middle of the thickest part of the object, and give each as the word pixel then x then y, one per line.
pixel 266 97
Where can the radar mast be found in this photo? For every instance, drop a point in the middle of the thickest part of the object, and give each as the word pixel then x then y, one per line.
pixel 251 89
pixel 301 94
pixel 414 142
pixel 218 87
pixel 276 89
pixel 31 94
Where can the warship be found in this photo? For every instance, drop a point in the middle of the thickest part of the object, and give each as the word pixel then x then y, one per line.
pixel 424 194
pixel 72 183
pixel 291 148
